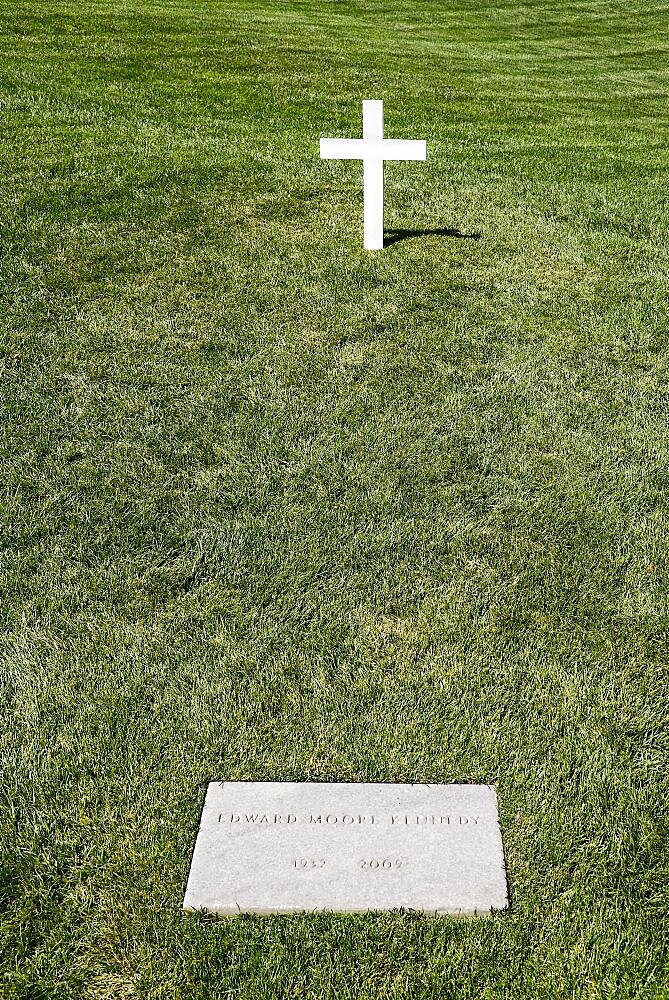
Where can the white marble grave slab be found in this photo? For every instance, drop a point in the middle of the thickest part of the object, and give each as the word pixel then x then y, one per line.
pixel 281 847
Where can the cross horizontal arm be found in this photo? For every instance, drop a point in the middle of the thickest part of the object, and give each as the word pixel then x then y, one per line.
pixel 375 149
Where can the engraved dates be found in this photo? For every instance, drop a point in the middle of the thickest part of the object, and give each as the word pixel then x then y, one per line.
pixel 366 864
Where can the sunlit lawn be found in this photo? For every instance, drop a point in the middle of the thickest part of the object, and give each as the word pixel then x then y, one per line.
pixel 276 507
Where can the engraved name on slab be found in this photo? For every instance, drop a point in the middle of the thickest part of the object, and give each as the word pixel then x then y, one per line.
pixel 281 847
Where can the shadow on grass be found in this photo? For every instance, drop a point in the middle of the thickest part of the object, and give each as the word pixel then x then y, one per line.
pixel 396 235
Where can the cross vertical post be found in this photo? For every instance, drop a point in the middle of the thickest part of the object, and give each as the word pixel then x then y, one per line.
pixel 372 128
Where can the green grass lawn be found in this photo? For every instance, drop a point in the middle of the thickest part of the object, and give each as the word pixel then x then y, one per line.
pixel 276 507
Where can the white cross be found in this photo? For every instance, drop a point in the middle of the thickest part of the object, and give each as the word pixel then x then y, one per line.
pixel 373 149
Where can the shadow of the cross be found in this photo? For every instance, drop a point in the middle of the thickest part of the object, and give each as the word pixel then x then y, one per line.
pixel 396 235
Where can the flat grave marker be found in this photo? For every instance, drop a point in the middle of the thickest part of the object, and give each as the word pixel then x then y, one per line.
pixel 282 847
